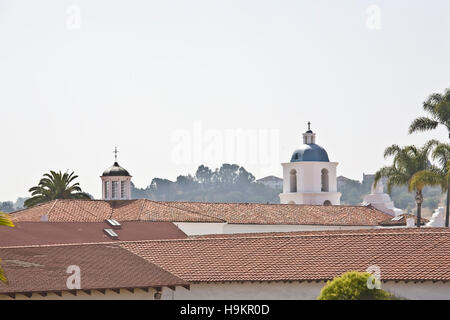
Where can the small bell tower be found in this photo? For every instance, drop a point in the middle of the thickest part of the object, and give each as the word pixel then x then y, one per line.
pixel 116 182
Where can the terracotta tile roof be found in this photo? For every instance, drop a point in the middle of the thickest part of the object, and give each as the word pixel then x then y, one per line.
pixel 254 213
pixel 102 266
pixel 402 254
pixel 99 210
pixel 401 221
pixel 43 233
pixel 234 213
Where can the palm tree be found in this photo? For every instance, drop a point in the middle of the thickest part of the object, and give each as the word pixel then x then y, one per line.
pixel 441 153
pixel 408 167
pixel 438 106
pixel 4 221
pixel 56 185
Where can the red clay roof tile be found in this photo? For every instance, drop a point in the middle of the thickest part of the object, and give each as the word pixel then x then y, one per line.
pixel 402 254
pixel 102 266
pixel 233 213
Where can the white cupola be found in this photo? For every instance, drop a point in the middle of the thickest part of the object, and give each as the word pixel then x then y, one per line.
pixel 116 182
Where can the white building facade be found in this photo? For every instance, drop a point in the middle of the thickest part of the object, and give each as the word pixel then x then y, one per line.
pixel 382 201
pixel 310 177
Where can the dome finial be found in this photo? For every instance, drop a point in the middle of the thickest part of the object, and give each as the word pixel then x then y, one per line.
pixel 309 125
pixel 115 153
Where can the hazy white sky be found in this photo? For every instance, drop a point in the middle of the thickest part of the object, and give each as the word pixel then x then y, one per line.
pixel 171 82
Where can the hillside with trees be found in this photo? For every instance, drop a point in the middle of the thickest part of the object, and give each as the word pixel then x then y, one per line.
pixel 229 183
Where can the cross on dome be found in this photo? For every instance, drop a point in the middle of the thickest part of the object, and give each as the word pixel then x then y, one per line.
pixel 309 127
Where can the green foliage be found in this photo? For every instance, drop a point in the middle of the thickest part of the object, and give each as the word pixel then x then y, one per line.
pixel 4 221
pixel 352 286
pixel 438 108
pixel 352 192
pixel 55 185
pixel 407 161
pixel 229 183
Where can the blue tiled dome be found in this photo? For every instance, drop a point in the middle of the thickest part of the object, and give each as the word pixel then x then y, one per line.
pixel 310 152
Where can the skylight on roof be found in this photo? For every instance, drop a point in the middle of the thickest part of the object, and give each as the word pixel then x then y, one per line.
pixel 397 218
pixel 113 223
pixel 111 233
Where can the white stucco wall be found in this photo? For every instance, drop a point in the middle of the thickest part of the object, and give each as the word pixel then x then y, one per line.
pixel 419 291
pixel 200 228
pixel 302 290
pixel 251 291
pixel 309 183
pixel 256 228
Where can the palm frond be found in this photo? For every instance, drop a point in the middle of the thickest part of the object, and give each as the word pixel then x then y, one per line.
pixel 2 275
pixel 441 153
pixel 422 124
pixel 5 220
pixel 425 178
pixel 392 150
pixel 56 185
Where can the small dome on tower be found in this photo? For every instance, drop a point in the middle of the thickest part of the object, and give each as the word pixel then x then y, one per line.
pixel 116 171
pixel 310 151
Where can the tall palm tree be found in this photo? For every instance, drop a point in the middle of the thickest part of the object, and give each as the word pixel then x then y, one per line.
pixel 438 107
pixel 56 185
pixel 408 162
pixel 4 221
pixel 441 153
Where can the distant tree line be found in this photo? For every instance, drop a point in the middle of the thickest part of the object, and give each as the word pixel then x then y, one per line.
pixel 9 206
pixel 353 192
pixel 229 183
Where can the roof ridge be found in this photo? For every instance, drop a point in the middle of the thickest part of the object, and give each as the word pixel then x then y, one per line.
pixel 274 204
pixel 189 211
pixel 35 206
pixel 53 205
pixel 141 213
pixel 276 236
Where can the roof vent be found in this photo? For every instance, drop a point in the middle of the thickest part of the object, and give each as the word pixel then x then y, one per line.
pixel 43 218
pixel 110 233
pixel 410 222
pixel 114 223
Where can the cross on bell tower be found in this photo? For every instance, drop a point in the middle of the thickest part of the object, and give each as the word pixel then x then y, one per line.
pixel 309 137
pixel 115 153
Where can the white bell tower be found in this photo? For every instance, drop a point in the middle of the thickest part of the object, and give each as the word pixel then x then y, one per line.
pixel 116 182
pixel 310 177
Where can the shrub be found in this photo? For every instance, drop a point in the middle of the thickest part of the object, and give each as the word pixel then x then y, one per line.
pixel 352 286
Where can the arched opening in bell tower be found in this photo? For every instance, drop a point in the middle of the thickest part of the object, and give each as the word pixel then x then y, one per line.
pixel 293 181
pixel 325 180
